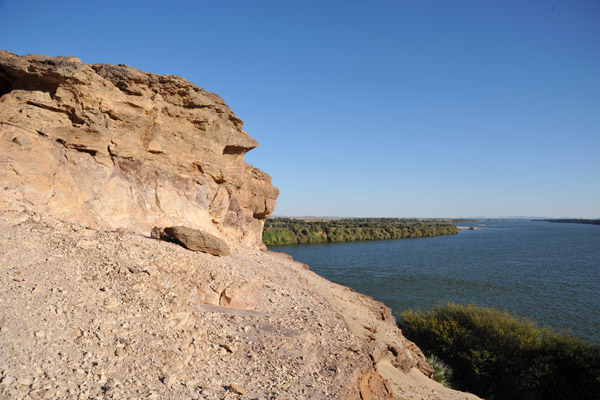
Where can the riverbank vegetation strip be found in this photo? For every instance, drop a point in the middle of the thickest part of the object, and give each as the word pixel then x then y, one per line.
pixel 494 354
pixel 575 221
pixel 283 231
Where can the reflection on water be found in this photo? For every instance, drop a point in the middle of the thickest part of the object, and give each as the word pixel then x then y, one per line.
pixel 546 271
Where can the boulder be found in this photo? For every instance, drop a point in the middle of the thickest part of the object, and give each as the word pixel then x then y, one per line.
pixel 197 240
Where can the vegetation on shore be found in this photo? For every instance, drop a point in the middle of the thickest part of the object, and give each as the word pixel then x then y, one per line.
pixel 442 373
pixel 575 221
pixel 496 355
pixel 282 231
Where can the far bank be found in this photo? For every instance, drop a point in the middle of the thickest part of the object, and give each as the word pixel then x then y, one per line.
pixel 285 231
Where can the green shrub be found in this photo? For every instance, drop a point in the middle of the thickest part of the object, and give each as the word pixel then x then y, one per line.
pixel 442 373
pixel 278 237
pixel 494 354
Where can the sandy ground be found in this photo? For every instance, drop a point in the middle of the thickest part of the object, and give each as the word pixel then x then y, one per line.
pixel 407 384
pixel 88 314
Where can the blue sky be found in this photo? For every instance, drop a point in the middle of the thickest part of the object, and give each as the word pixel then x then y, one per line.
pixel 378 108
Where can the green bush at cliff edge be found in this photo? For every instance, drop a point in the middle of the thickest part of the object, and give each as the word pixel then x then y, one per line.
pixel 496 355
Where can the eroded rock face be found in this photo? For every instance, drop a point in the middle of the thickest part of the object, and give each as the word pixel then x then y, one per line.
pixel 113 147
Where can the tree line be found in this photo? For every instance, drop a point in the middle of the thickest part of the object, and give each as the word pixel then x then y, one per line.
pixel 283 231
pixel 575 221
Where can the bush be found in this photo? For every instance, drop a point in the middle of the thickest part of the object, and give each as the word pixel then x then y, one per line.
pixel 442 373
pixel 278 237
pixel 494 354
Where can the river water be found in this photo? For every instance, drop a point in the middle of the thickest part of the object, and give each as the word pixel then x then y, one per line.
pixel 549 272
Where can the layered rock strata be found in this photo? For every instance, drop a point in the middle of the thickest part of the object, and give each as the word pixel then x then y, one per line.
pixel 115 148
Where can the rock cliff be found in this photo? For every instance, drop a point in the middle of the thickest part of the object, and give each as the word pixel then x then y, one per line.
pixel 92 157
pixel 115 148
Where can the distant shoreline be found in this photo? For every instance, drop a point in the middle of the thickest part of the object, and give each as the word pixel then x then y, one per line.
pixel 575 221
pixel 286 231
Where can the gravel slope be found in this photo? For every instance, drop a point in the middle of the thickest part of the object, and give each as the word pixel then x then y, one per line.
pixel 92 314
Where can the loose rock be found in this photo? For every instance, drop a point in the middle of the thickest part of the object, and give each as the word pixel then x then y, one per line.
pixel 197 240
pixel 237 389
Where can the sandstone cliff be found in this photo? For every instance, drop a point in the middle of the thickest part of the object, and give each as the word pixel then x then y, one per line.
pixel 91 158
pixel 112 147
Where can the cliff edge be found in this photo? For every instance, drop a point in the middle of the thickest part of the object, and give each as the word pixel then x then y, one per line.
pixel 112 147
pixel 92 157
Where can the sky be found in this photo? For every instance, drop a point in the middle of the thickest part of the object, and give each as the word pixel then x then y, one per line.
pixel 373 108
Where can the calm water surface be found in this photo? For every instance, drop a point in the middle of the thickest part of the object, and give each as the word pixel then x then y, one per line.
pixel 549 272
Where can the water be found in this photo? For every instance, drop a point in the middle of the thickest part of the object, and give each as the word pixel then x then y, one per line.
pixel 549 272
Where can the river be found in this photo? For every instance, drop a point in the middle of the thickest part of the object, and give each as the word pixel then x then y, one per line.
pixel 549 272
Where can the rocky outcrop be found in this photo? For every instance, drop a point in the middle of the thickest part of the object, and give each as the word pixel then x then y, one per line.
pixel 116 148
